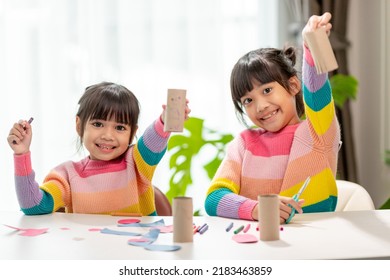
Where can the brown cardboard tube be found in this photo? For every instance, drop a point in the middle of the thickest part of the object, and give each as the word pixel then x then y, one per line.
pixel 269 221
pixel 182 219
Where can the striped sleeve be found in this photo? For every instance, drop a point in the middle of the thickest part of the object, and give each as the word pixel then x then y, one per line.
pixel 223 197
pixel 32 200
pixel 319 105
pixel 150 148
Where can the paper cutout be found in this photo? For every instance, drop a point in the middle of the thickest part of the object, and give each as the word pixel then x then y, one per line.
pixel 94 229
pixel 78 238
pixel 129 221
pixel 29 231
pixel 64 228
pixel 245 238
pixel 148 238
pixel 165 229
pixel 154 247
pixel 154 224
pixel 117 232
pixel 139 240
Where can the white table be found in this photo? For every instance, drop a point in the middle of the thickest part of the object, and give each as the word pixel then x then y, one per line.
pixel 337 235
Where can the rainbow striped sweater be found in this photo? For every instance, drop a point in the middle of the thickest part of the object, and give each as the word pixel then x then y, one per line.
pixel 96 187
pixel 260 162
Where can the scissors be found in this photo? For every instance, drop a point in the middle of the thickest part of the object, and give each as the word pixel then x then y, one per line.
pixel 296 198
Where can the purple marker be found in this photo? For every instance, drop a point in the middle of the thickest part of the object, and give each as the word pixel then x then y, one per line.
pixel 203 229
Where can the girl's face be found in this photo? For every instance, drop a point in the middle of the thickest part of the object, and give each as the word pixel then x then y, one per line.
pixel 270 106
pixel 105 139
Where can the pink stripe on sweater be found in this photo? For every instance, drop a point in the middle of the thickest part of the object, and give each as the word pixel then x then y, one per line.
pixel 308 56
pixel 265 167
pixel 159 127
pixel 246 208
pixel 268 144
pixel 22 164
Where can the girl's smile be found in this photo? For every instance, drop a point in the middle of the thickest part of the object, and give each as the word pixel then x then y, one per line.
pixel 106 139
pixel 270 106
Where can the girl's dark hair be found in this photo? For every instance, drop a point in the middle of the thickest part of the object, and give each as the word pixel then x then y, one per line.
pixel 264 65
pixel 106 100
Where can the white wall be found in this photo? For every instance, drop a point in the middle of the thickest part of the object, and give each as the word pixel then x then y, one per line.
pixel 367 62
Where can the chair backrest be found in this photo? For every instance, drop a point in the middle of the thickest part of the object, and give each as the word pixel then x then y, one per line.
pixel 352 197
pixel 163 206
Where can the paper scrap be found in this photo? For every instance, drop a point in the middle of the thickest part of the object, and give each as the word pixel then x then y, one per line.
pixel 245 238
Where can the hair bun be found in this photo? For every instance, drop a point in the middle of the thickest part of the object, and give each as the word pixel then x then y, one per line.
pixel 290 53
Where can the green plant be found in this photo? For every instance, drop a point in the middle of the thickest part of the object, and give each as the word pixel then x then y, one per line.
pixel 184 147
pixel 344 87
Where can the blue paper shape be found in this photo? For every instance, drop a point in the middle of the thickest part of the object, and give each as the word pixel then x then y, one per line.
pixel 156 223
pixel 117 232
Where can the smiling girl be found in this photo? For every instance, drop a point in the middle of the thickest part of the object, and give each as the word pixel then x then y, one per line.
pixel 282 150
pixel 115 177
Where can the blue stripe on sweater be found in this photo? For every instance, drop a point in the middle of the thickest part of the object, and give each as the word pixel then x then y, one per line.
pixel 327 205
pixel 317 101
pixel 212 200
pixel 149 156
pixel 45 206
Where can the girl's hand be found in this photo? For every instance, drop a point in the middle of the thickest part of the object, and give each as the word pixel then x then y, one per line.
pixel 284 208
pixel 186 112
pixel 316 22
pixel 19 137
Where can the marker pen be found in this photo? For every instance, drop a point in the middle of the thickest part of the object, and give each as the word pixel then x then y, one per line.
pixel 29 121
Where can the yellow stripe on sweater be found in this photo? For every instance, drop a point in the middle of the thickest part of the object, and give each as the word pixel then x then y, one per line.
pixel 321 186
pixel 144 169
pixel 321 120
pixel 223 183
pixel 51 188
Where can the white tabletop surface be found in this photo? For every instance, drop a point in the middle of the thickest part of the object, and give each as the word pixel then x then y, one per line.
pixel 336 235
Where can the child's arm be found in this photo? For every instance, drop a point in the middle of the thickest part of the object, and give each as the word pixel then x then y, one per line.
pixel 32 199
pixel 150 148
pixel 319 103
pixel 152 145
pixel 223 197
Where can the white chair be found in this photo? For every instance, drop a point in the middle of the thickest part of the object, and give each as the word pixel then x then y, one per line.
pixel 353 197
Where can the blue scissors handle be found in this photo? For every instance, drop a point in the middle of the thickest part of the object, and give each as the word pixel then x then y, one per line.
pixel 292 214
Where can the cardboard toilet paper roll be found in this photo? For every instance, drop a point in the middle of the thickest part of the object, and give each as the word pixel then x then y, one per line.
pixel 175 111
pixel 182 219
pixel 269 222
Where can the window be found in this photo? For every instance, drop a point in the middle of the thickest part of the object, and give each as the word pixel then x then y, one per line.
pixel 50 50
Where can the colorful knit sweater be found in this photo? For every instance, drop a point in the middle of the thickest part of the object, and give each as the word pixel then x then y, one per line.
pixel 96 187
pixel 260 162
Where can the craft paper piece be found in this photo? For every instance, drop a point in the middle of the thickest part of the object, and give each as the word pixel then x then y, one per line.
pixel 94 229
pixel 78 238
pixel 154 247
pixel 117 232
pixel 245 238
pixel 154 224
pixel 147 238
pixel 129 221
pixel 139 240
pixel 29 231
pixel 165 229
